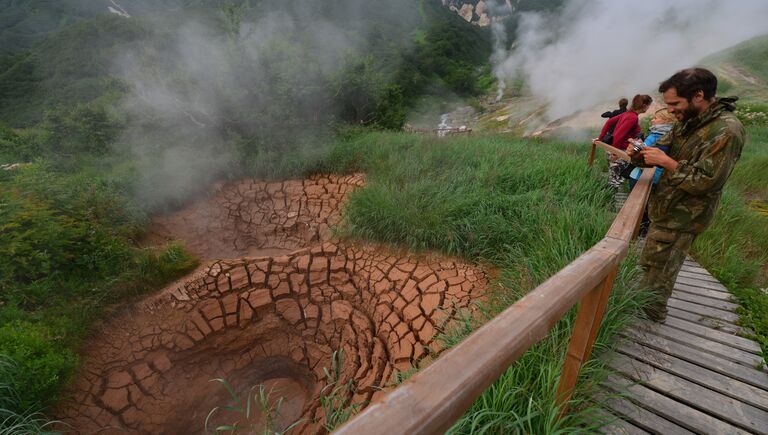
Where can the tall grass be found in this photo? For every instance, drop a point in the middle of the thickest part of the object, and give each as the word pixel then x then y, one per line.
pixel 528 209
pixel 749 176
pixel 13 421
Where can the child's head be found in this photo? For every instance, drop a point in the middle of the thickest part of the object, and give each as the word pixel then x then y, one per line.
pixel 662 116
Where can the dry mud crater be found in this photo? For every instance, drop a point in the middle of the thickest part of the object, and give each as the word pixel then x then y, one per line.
pixel 277 297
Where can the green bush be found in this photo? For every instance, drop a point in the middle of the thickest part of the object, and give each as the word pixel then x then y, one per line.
pixel 82 129
pixel 65 238
pixel 43 365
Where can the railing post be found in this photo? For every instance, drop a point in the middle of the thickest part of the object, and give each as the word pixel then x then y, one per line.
pixel 591 156
pixel 585 329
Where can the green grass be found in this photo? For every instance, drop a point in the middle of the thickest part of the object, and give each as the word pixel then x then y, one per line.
pixel 257 412
pixel 749 177
pixel 735 248
pixel 528 208
pixel 13 421
pixel 522 399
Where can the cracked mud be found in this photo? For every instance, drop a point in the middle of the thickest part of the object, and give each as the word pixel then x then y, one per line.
pixel 265 319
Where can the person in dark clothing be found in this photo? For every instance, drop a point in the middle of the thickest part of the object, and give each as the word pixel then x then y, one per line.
pixel 622 108
pixel 704 146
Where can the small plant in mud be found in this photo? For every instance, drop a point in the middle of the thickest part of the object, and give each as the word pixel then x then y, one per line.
pixel 255 414
pixel 336 396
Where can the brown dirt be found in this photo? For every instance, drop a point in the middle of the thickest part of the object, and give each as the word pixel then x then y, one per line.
pixel 271 321
pixel 255 218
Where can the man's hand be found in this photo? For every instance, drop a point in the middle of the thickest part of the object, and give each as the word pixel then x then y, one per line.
pixel 657 157
pixel 632 144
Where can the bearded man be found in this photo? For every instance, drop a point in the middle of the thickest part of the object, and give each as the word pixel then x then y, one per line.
pixel 704 146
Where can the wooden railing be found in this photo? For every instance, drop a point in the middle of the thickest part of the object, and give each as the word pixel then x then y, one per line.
pixel 433 399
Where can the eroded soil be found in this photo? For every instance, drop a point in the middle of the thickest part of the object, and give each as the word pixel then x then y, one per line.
pixel 273 321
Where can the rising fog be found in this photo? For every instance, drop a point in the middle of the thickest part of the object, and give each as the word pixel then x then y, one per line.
pixel 593 51
pixel 208 81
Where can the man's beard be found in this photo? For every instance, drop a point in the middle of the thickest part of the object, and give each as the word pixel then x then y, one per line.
pixel 689 113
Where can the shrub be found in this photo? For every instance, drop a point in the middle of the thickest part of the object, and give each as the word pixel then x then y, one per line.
pixel 43 366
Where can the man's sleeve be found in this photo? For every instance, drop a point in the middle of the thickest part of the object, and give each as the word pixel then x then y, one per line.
pixel 712 170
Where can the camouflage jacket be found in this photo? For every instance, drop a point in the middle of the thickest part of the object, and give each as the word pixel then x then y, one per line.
pixel 706 149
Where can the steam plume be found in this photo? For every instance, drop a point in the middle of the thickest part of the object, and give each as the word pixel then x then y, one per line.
pixel 205 85
pixel 595 50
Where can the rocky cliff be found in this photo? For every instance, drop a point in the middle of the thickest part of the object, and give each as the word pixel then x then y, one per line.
pixel 480 12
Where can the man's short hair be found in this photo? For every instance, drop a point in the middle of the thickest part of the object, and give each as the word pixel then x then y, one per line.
pixel 623 102
pixel 689 81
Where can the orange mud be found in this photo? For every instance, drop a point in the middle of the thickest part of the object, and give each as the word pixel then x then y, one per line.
pixel 271 321
pixel 254 218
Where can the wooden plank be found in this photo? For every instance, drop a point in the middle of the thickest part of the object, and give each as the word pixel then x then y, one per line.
pixel 709 322
pixel 694 275
pixel 705 359
pixel 615 151
pixel 695 269
pixel 742 343
pixel 705 301
pixel 641 417
pixel 707 378
pixel 714 294
pixel 672 410
pixel 701 283
pixel 686 392
pixel 613 424
pixel 725 316
pixel 727 352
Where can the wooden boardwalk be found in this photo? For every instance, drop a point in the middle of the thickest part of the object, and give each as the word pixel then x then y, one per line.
pixel 694 373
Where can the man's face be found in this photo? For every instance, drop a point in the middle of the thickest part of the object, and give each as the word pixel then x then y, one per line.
pixel 681 107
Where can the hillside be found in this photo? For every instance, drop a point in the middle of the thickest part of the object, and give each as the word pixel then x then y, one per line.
pixel 69 54
pixel 741 70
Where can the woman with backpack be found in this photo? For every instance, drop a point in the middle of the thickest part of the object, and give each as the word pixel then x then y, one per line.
pixel 623 127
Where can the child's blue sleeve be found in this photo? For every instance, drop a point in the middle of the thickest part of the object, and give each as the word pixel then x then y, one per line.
pixel 651 139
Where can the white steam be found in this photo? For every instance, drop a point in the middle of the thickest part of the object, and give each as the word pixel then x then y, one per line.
pixel 197 93
pixel 596 50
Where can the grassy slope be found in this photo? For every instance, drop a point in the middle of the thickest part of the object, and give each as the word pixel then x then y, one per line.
pixel 743 71
pixel 528 208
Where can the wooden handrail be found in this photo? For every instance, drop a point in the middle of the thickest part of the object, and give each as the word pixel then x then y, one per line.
pixel 433 399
